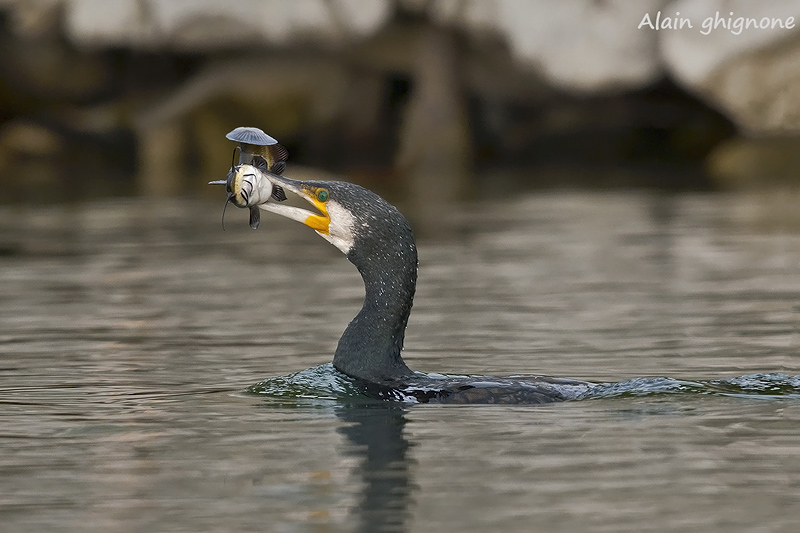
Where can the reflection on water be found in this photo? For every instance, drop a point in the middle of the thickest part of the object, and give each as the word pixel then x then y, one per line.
pixel 375 435
pixel 129 333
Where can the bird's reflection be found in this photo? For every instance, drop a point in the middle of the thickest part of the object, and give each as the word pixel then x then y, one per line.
pixel 375 435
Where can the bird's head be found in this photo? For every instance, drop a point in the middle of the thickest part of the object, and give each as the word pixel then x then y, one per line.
pixel 375 237
pixel 331 215
pixel 364 226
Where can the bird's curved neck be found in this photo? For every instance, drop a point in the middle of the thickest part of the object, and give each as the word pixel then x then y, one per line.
pixel 370 347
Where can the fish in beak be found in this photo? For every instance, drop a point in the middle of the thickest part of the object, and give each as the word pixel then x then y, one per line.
pixel 247 186
pixel 253 188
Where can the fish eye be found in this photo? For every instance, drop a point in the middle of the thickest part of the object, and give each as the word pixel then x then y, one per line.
pixel 322 195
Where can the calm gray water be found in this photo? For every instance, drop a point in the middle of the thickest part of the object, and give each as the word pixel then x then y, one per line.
pixel 129 334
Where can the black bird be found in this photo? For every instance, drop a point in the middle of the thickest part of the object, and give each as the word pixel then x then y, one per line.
pixel 378 240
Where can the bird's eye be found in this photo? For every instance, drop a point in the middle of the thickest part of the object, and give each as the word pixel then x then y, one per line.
pixel 322 195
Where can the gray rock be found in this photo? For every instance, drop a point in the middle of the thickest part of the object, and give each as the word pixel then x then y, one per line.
pixel 577 45
pixel 752 75
pixel 211 24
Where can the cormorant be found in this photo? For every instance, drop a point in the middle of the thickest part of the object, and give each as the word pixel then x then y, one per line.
pixel 378 240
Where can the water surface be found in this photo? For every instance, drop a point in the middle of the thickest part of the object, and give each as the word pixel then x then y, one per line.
pixel 129 334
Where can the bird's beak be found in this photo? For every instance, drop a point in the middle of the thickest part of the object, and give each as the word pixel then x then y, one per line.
pixel 319 221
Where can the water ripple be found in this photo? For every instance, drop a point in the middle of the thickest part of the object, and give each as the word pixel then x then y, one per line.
pixel 324 383
pixel 765 386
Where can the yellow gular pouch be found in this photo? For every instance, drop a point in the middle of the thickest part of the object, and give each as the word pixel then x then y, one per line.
pixel 318 197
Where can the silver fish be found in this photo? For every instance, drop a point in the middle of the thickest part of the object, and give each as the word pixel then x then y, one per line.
pixel 247 186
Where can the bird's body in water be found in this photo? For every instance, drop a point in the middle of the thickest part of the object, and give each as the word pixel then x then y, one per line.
pixel 378 240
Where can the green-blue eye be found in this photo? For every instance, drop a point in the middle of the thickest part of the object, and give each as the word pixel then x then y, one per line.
pixel 322 195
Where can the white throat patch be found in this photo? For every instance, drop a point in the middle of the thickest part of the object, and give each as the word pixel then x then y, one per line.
pixel 341 228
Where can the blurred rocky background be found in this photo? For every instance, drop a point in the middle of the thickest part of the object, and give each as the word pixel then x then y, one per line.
pixel 427 102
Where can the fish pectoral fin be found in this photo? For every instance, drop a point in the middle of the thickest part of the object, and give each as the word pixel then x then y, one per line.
pixel 278 193
pixel 279 155
pixel 255 216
